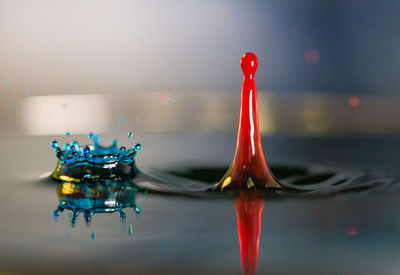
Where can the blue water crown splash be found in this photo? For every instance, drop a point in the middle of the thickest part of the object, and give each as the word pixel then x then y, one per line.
pixel 96 198
pixel 94 162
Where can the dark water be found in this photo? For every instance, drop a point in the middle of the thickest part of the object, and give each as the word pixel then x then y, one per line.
pixel 338 230
pixel 115 166
pixel 105 196
pixel 298 181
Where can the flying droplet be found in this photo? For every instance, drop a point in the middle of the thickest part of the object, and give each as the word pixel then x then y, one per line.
pixel 130 135
pixel 54 144
pixel 93 236
pixel 122 150
pixel 137 147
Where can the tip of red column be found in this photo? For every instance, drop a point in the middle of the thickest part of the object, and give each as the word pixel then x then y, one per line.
pixel 249 63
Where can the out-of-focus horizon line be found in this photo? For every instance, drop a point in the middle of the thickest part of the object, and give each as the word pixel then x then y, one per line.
pixel 305 114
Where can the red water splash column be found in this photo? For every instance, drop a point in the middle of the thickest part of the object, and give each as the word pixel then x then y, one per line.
pixel 249 170
pixel 249 213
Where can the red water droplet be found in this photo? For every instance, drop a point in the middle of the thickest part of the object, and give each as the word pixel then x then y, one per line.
pixel 249 170
pixel 249 213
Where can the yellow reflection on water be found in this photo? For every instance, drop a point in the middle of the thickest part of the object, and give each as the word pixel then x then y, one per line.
pixel 67 188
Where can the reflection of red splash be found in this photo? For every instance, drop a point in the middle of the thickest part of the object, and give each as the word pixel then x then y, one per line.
pixel 249 170
pixel 249 210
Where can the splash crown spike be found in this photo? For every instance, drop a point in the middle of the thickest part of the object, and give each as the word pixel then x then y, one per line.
pixel 94 163
pixel 249 169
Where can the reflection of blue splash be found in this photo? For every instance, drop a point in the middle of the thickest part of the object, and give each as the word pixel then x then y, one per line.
pixel 96 198
pixel 130 231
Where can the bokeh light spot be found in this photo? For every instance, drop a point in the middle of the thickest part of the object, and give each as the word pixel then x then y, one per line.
pixel 352 230
pixel 311 56
pixel 166 99
pixel 122 120
pixel 354 101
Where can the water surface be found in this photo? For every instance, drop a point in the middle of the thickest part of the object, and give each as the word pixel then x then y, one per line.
pixel 182 234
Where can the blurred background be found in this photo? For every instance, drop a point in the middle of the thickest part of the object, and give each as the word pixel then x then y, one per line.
pixel 325 67
pixel 169 71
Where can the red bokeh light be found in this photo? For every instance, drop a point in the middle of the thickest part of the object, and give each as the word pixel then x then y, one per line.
pixel 354 101
pixel 166 99
pixel 352 230
pixel 311 56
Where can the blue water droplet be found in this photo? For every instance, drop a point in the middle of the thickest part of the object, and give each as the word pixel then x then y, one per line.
pixel 88 217
pixel 54 144
pixel 121 150
pixel 59 155
pixel 137 209
pixel 122 119
pixel 86 152
pixel 91 136
pixel 138 147
pixel 122 215
pixel 67 133
pixel 15 107
pixel 130 231
pixel 130 135
pixel 93 236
